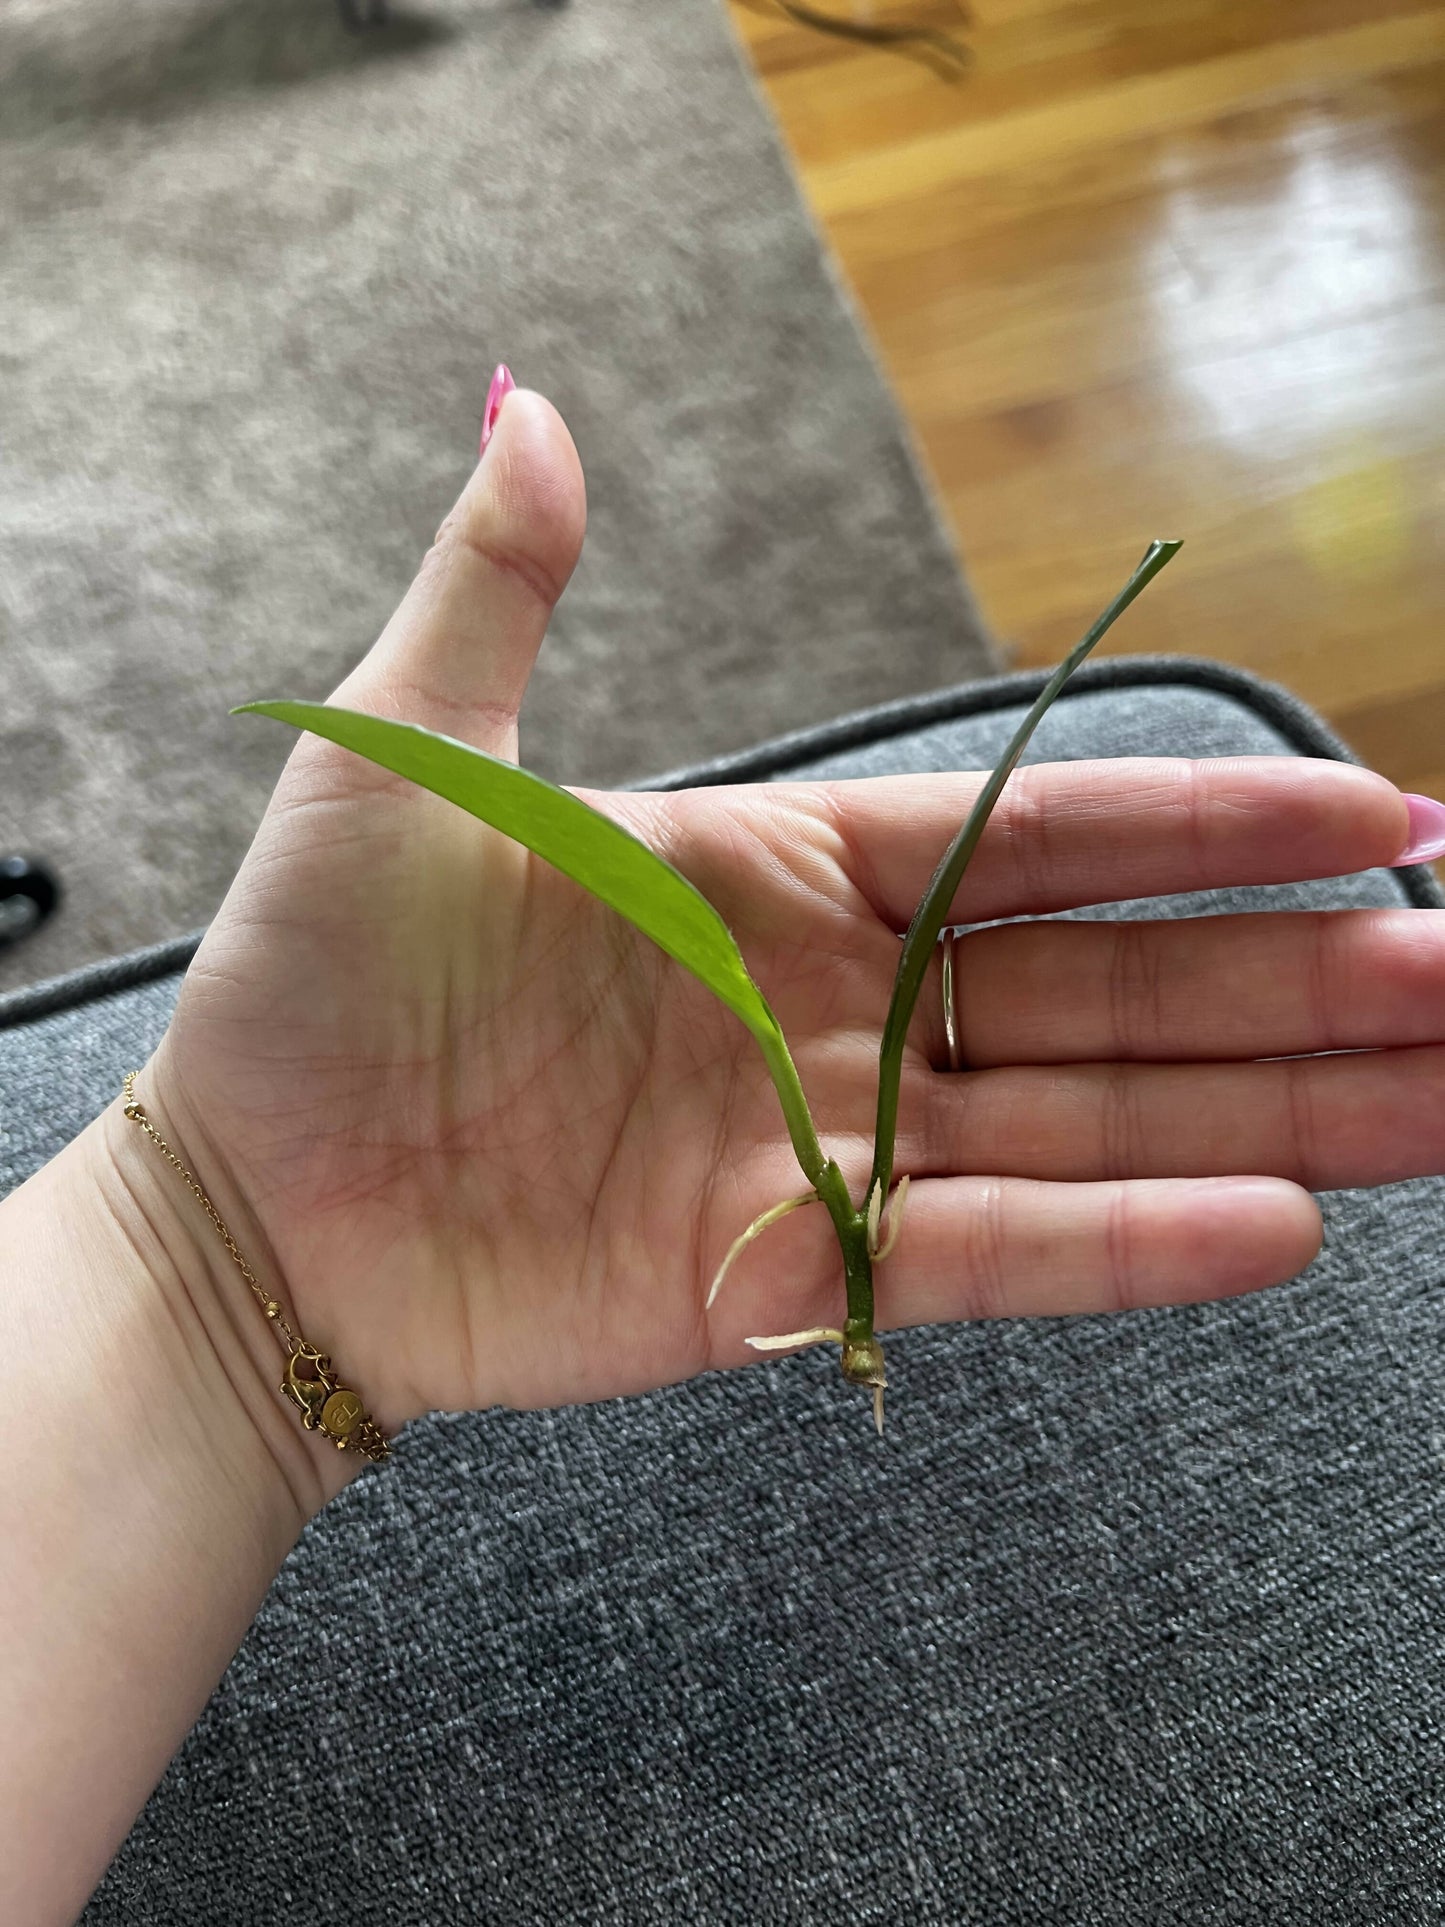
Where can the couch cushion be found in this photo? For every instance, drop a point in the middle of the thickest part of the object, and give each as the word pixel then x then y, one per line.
pixel 1147 1624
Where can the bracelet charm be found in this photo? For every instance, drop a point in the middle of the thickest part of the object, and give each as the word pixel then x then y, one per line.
pixel 326 1405
pixel 324 1401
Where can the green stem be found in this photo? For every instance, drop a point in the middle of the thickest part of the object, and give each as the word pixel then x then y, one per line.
pixel 789 1086
pixel 862 1358
pixel 851 1226
pixel 849 1223
pixel 932 913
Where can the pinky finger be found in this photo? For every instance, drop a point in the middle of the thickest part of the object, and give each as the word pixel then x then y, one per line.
pixel 1017 1248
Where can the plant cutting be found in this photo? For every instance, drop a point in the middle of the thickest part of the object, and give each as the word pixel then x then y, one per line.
pixel 624 873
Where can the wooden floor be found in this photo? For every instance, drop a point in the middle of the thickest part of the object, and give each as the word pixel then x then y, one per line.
pixel 1166 267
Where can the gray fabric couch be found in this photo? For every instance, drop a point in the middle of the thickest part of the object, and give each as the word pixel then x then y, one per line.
pixel 1149 1630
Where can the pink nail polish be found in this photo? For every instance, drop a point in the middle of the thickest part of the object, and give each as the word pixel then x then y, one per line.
pixel 1427 831
pixel 502 386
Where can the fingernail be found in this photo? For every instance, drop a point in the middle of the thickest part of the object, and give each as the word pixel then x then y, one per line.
pixel 502 386
pixel 1427 831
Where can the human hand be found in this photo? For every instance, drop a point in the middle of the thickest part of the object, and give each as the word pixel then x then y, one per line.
pixel 490 1146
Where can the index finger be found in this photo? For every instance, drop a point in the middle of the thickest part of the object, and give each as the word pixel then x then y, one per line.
pixel 1065 835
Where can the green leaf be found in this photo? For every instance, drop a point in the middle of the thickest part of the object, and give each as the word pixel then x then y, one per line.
pixel 585 845
pixel 932 912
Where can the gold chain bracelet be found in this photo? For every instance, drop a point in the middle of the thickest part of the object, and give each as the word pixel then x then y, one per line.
pixel 325 1404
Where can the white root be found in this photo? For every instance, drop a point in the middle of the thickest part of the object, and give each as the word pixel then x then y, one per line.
pixel 875 1209
pixel 755 1230
pixel 878 1408
pixel 819 1335
pixel 895 1221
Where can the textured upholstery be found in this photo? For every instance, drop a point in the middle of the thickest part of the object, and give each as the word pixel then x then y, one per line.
pixel 1147 1629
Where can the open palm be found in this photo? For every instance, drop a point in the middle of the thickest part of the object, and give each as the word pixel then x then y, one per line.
pixel 492 1145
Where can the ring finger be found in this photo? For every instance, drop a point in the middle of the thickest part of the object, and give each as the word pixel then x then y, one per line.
pixel 1189 989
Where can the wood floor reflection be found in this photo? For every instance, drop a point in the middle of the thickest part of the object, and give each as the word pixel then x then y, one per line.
pixel 1166 267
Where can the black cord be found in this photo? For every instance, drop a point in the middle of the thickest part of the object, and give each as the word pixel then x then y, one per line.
pixel 944 52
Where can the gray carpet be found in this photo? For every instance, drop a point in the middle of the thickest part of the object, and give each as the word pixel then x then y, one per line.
pixel 256 273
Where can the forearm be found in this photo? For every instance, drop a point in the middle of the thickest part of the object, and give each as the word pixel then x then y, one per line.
pixel 152 1485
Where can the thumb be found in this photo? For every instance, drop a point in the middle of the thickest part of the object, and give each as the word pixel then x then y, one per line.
pixel 457 654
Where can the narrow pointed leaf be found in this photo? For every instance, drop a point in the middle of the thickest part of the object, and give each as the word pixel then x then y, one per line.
pixel 594 851
pixel 932 911
pixel 587 846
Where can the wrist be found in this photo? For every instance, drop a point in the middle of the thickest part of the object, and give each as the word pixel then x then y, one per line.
pixel 226 1359
pixel 153 1497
